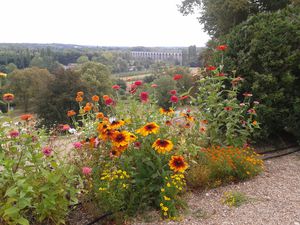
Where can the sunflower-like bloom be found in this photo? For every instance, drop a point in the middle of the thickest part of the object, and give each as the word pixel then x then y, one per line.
pixel 116 124
pixel 162 145
pixel 188 117
pixel 177 164
pixel 103 126
pixel 107 134
pixel 132 137
pixel 168 112
pixel 149 128
pixel 120 138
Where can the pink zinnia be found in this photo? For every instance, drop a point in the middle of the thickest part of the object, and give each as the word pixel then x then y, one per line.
pixel 256 102
pixel 138 83
pixel 86 170
pixel 66 127
pixel 116 87
pixel 242 104
pixel 177 77
pixel 173 92
pixel 144 96
pixel 77 145
pixel 14 133
pixel 154 85
pixel 251 111
pixel 47 151
pixel 174 99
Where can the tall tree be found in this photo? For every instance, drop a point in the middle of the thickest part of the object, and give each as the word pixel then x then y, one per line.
pixel 220 16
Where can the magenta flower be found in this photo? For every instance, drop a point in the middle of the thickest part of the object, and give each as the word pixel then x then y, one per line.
pixel 86 170
pixel 174 99
pixel 47 151
pixel 77 145
pixel 14 133
pixel 138 83
pixel 144 96
pixel 173 92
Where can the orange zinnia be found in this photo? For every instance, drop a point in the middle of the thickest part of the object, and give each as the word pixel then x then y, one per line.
pixel 8 97
pixel 105 97
pixel 79 99
pixel 100 115
pixel 80 93
pixel 71 113
pixel 95 98
pixel 177 164
pixel 26 117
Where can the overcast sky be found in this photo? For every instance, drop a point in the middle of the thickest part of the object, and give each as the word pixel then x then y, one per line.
pixel 99 22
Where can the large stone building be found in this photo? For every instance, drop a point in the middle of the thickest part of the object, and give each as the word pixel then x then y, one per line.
pixel 171 57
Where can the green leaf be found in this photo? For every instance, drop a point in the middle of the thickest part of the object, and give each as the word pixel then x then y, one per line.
pixel 11 212
pixel 22 221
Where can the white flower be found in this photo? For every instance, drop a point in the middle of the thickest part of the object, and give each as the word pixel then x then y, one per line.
pixel 72 131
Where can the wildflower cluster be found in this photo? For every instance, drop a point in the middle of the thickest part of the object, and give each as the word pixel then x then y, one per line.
pixel 173 185
pixel 232 163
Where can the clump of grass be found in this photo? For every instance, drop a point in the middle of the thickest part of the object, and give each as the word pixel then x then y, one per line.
pixel 234 198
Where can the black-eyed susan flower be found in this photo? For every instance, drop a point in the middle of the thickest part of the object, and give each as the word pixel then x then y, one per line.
pixel 162 145
pixel 188 117
pixel 149 128
pixel 168 112
pixel 120 138
pixel 132 137
pixel 116 124
pixel 177 164
pixel 103 126
pixel 107 134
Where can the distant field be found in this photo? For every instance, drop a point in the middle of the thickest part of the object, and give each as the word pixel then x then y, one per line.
pixel 132 75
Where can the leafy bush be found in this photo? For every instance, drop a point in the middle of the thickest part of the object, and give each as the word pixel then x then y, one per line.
pixel 265 51
pixel 36 186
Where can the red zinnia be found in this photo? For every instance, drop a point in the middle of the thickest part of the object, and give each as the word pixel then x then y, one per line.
pixel 132 88
pixel 109 101
pixel 220 74
pixel 184 97
pixel 144 96
pixel 174 99
pixel 26 117
pixel 116 87
pixel 222 47
pixel 138 82
pixel 211 68
pixel 173 92
pixel 177 77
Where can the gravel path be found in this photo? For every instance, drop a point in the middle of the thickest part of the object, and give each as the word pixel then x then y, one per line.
pixel 274 199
